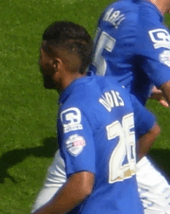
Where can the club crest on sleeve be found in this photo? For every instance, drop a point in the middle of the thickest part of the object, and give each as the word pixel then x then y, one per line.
pixel 71 119
pixel 165 57
pixel 75 144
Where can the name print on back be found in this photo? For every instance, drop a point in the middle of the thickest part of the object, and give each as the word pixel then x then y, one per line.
pixel 111 99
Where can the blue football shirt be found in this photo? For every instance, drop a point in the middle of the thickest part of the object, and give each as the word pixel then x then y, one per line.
pixel 96 132
pixel 133 45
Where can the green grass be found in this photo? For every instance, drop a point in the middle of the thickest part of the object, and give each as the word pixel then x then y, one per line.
pixel 28 111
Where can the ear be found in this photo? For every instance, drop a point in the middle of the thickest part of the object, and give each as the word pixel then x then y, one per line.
pixel 57 64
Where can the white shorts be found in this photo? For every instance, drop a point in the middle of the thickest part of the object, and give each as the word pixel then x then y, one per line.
pixel 153 189
pixel 55 179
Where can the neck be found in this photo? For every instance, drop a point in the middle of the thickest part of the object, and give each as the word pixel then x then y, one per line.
pixel 162 5
pixel 68 79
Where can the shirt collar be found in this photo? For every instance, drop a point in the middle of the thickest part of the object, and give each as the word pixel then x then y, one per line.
pixel 68 90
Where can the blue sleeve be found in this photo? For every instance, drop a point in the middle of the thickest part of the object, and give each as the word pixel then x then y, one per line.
pixel 144 120
pixel 76 141
pixel 152 50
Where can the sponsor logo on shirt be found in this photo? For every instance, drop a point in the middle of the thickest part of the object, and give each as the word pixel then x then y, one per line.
pixel 160 38
pixel 71 119
pixel 75 144
pixel 165 57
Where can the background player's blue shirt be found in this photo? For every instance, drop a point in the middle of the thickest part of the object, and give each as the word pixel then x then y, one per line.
pixel 133 45
pixel 96 134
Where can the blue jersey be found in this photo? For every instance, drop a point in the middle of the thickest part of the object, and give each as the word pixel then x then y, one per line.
pixel 133 45
pixel 96 134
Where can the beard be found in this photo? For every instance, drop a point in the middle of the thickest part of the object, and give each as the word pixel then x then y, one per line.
pixel 48 82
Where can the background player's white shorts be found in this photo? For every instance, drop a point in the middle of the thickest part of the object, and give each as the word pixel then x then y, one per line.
pixel 154 190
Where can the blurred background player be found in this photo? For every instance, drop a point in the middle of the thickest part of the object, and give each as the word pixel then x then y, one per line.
pixel 97 142
pixel 133 46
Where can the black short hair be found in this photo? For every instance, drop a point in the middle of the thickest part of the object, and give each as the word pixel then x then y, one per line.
pixel 72 36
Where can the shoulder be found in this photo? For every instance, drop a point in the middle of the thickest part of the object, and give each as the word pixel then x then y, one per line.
pixel 80 104
pixel 72 108
pixel 74 117
pixel 120 20
pixel 121 11
pixel 149 16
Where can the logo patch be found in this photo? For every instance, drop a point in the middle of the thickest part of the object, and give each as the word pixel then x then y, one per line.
pixel 160 38
pixel 165 58
pixel 75 144
pixel 71 119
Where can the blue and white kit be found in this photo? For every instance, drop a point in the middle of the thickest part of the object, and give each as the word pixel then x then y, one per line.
pixel 97 134
pixel 133 45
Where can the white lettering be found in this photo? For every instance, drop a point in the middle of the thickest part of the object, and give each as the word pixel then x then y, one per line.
pixel 121 102
pixel 105 104
pixel 111 99
pixel 160 38
pixel 114 17
pixel 115 98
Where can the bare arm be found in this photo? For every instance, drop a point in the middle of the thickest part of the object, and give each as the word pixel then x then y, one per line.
pixel 146 141
pixel 77 188
pixel 157 94
pixel 165 88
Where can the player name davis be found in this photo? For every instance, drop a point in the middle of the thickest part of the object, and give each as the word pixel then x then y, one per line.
pixel 111 99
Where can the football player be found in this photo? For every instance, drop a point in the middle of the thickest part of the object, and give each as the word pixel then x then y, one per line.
pixel 133 45
pixel 97 122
